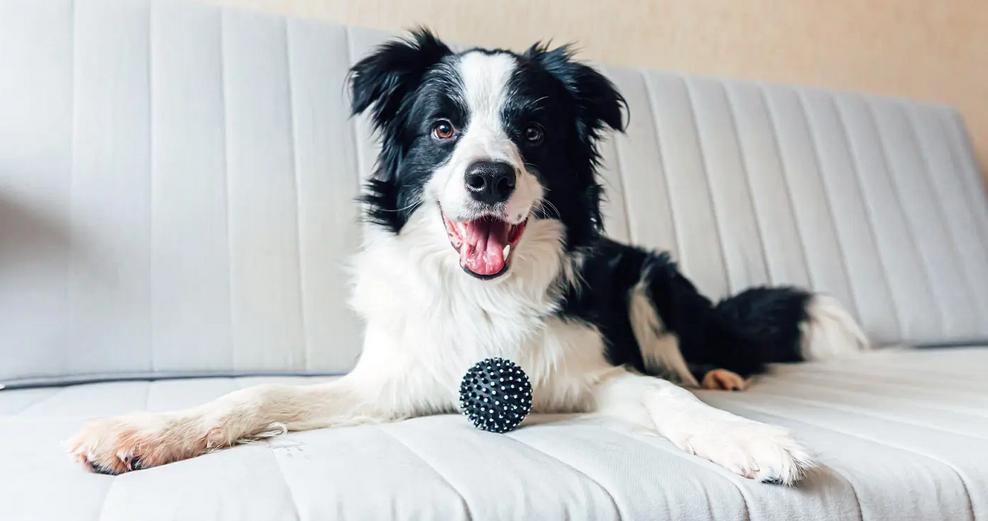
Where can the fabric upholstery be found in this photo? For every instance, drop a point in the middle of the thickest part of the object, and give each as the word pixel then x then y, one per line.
pixel 177 185
pixel 900 434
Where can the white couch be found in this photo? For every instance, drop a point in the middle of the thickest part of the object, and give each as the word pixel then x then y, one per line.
pixel 176 201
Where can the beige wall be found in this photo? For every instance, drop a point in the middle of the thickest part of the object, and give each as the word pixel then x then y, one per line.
pixel 935 50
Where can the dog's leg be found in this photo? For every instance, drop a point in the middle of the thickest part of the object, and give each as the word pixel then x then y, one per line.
pixel 142 440
pixel 754 450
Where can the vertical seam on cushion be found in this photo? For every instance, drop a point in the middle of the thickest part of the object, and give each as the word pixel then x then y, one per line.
pixel 669 448
pixel 653 120
pixel 710 190
pixel 106 497
pixel 284 479
pixel 732 117
pixel 870 112
pixel 815 151
pixel 352 120
pixel 226 174
pixel 955 143
pixel 625 208
pixel 856 174
pixel 354 162
pixel 774 127
pixel 147 393
pixel 70 264
pixel 354 134
pixel 831 428
pixel 298 195
pixel 957 170
pixel 938 204
pixel 413 452
pixel 151 174
pixel 617 509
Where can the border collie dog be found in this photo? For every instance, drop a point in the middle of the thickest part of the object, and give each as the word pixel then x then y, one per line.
pixel 484 239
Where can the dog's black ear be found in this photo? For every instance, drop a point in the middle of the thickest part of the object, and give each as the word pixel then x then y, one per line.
pixel 598 102
pixel 383 79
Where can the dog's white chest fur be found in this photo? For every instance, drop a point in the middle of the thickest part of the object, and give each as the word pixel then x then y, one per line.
pixel 428 322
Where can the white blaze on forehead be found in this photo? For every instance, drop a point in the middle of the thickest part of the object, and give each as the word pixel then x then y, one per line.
pixel 485 83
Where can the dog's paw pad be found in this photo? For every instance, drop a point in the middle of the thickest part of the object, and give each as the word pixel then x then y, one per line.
pixel 723 380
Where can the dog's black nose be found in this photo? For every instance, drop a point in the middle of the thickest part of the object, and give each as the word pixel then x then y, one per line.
pixel 490 181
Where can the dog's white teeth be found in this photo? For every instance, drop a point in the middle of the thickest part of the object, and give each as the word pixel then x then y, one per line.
pixel 507 251
pixel 462 228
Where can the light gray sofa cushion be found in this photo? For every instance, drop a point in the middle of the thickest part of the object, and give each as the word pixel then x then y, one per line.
pixel 177 185
pixel 901 436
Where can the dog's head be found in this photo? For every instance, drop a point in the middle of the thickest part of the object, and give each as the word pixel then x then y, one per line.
pixel 487 140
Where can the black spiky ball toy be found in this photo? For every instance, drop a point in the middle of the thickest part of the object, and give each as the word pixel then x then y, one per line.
pixel 496 395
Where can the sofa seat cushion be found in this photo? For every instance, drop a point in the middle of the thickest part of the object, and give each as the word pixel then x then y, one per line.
pixel 900 435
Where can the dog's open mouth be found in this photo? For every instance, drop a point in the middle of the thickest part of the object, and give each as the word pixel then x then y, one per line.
pixel 485 245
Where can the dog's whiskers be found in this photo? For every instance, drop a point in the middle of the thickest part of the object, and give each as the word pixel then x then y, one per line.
pixel 409 207
pixel 542 207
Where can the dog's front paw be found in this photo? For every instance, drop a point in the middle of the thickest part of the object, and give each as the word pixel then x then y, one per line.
pixel 754 450
pixel 138 441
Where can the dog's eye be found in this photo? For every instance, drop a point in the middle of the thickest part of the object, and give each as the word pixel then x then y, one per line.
pixel 443 130
pixel 534 134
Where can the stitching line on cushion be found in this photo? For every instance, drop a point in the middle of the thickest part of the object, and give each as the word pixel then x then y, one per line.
pixel 939 379
pixel 957 170
pixel 706 176
pixel 957 472
pixel 226 181
pixel 945 376
pixel 969 409
pixel 694 460
pixel 772 117
pixel 774 130
pixel 147 386
pixel 625 208
pixel 147 394
pixel 152 345
pixel 664 168
pixel 816 384
pixel 106 497
pixel 352 121
pixel 732 118
pixel 930 184
pixel 68 317
pixel 866 207
pixel 924 267
pixel 284 479
pixel 962 156
pixel 463 500
pixel 847 480
pixel 610 496
pixel 296 172
pixel 815 149
pixel 865 412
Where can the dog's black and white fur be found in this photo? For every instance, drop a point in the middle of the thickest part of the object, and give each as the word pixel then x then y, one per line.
pixel 485 239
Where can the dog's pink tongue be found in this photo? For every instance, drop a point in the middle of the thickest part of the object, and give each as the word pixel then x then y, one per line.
pixel 483 247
